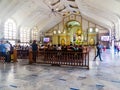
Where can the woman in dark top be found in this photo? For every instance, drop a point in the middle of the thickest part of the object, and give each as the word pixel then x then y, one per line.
pixel 98 46
pixel 34 50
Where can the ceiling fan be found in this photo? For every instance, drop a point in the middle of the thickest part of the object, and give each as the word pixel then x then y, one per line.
pixel 55 7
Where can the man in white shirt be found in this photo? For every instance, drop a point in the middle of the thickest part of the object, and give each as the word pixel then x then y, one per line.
pixel 7 45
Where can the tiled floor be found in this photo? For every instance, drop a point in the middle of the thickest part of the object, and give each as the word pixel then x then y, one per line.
pixel 101 76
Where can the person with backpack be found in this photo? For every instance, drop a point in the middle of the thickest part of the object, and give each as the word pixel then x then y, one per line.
pixel 3 51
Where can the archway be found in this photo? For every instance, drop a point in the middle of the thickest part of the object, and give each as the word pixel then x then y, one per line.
pixel 74 30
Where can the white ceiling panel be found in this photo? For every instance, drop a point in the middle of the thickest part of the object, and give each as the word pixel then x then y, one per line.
pixel 47 13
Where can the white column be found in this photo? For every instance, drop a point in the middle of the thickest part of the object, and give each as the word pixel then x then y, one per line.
pixel 1 30
pixel 112 48
pixel 113 43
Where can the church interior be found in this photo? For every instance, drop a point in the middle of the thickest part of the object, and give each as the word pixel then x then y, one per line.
pixel 66 33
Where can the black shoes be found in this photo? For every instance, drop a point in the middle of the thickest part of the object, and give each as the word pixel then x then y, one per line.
pixel 95 60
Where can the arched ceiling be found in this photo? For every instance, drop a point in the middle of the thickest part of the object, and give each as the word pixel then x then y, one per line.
pixel 47 13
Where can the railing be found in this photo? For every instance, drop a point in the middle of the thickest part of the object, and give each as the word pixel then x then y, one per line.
pixel 14 54
pixel 72 58
pixel 56 57
pixel 22 54
pixel 2 58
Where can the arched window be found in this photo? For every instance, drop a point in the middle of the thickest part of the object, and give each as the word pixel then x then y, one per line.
pixel 10 29
pixel 34 33
pixel 25 34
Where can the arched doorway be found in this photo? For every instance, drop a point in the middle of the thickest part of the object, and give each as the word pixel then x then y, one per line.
pixel 74 30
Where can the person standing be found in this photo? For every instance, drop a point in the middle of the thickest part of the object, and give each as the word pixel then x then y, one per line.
pixel 8 51
pixel 3 51
pixel 99 51
pixel 34 50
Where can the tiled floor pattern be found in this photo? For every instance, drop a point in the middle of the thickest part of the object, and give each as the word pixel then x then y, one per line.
pixel 101 76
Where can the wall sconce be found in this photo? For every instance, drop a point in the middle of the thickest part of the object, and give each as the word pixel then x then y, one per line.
pixel 96 30
pixel 59 31
pixel 91 29
pixel 54 32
